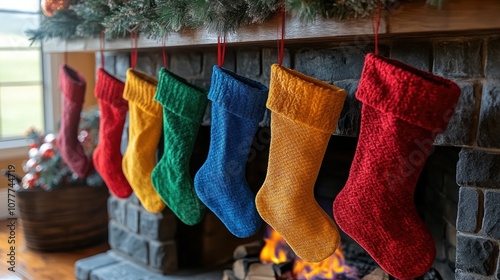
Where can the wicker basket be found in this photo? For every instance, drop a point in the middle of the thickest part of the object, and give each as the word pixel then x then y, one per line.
pixel 65 218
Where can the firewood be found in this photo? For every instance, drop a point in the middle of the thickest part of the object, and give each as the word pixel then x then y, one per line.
pixel 258 277
pixel 229 275
pixel 241 266
pixel 377 274
pixel 283 268
pixel 248 250
pixel 260 271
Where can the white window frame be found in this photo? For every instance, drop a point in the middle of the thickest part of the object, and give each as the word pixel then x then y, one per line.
pixel 17 148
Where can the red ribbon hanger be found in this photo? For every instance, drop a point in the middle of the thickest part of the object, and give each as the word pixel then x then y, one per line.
pixel 221 50
pixel 134 42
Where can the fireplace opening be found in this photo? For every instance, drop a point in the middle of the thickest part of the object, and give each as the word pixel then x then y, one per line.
pixel 436 198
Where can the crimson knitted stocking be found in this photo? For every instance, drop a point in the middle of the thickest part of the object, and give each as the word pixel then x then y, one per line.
pixel 107 157
pixel 72 85
pixel 403 110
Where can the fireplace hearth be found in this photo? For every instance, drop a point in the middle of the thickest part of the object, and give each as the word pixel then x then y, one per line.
pixel 458 193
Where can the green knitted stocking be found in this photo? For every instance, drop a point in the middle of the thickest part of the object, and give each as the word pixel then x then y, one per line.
pixel 183 109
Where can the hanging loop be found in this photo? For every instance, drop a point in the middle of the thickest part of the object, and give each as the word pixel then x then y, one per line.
pixel 65 53
pixel 134 42
pixel 164 50
pixel 101 48
pixel 221 50
pixel 376 25
pixel 281 42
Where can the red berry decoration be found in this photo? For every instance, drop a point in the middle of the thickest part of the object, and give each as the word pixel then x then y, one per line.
pixel 49 7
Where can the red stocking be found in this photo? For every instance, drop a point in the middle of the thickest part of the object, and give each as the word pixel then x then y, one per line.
pixel 403 110
pixel 72 85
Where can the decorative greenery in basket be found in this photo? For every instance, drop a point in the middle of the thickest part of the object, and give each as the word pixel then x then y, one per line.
pixel 45 167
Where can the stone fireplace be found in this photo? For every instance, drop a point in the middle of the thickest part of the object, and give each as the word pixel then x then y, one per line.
pixel 458 194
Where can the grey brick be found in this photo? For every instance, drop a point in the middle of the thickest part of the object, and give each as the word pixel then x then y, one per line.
pixel 109 62
pixel 132 218
pixel 416 54
pixel 84 267
pixel 491 223
pixel 461 125
pixel 469 210
pixel 493 57
pixel 460 275
pixel 116 209
pixel 186 64
pixel 121 271
pixel 210 60
pixel 122 65
pixel 161 227
pixel 458 59
pixel 248 63
pixel 159 61
pixel 129 243
pixel 163 255
pixel 146 65
pixel 476 255
pixel 478 168
pixel 331 64
pixel 116 234
pixel 134 199
pixel 270 57
pixel 350 117
pixel 489 116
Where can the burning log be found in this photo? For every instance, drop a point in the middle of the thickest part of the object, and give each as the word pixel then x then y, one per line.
pixel 248 250
pixel 241 267
pixel 260 271
pixel 284 271
pixel 377 274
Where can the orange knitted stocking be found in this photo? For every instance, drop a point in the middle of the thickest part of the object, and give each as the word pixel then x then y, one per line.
pixel 305 112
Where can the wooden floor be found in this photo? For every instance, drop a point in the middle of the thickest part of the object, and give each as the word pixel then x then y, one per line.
pixel 33 265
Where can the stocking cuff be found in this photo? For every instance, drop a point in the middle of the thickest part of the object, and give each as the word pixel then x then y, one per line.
pixel 238 95
pixel 140 89
pixel 412 95
pixel 108 88
pixel 181 97
pixel 72 84
pixel 305 99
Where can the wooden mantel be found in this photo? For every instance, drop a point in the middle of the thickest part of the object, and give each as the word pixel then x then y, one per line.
pixel 412 17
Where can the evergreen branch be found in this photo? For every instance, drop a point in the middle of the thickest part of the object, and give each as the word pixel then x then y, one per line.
pixel 62 25
pixel 92 13
pixel 155 18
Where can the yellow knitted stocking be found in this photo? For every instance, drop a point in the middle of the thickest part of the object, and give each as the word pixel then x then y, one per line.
pixel 304 114
pixel 145 128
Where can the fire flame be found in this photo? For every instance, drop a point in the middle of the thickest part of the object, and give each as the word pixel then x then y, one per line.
pixel 277 251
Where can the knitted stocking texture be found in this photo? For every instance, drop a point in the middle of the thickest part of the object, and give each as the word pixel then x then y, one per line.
pixel 107 157
pixel 403 110
pixel 145 130
pixel 183 109
pixel 72 85
pixel 238 105
pixel 304 114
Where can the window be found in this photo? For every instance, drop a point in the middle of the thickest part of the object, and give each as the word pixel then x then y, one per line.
pixel 21 79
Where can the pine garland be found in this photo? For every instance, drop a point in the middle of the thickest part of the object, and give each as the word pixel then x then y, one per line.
pixel 156 18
